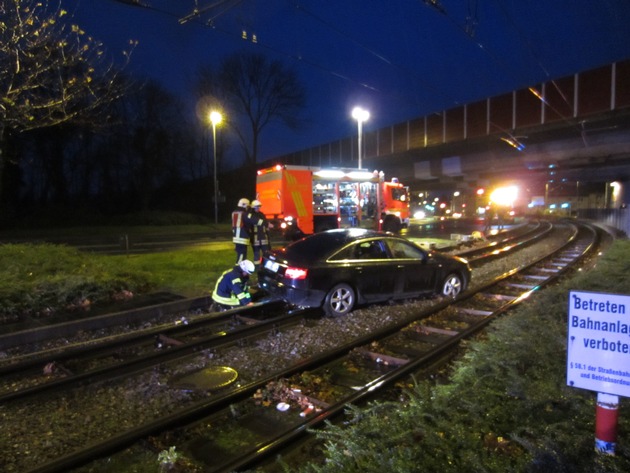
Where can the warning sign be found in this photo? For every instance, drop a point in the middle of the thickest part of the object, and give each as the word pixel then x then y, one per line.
pixel 598 350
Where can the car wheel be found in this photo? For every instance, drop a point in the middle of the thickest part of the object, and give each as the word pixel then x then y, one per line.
pixel 452 286
pixel 339 300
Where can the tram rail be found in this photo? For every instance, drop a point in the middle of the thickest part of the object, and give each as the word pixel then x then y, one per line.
pixel 75 363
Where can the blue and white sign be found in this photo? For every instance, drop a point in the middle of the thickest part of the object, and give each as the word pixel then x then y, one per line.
pixel 598 349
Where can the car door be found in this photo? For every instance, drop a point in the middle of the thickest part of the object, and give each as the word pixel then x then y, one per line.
pixel 415 274
pixel 370 269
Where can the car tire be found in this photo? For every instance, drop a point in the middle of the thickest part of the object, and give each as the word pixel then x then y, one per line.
pixel 339 301
pixel 452 286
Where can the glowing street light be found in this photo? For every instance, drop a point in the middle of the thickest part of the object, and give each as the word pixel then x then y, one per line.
pixel 360 115
pixel 504 195
pixel 215 119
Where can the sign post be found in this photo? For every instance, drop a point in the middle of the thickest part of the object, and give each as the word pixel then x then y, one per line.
pixel 598 356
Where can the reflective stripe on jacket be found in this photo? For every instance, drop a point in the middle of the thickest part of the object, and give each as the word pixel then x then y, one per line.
pixel 259 228
pixel 230 289
pixel 240 232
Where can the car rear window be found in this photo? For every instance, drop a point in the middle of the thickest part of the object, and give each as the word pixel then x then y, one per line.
pixel 318 246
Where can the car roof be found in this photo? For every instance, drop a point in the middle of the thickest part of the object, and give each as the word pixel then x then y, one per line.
pixel 319 245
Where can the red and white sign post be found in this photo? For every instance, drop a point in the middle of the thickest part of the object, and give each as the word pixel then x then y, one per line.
pixel 598 356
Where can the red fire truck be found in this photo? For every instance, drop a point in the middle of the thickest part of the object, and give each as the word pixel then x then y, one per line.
pixel 317 199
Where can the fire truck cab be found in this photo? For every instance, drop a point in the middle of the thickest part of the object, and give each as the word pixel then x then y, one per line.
pixel 316 199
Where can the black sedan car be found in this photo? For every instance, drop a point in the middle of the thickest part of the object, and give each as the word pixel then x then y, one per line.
pixel 338 269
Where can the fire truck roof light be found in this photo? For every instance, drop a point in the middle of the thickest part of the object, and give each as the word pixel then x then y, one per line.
pixel 360 175
pixel 395 180
pixel 329 173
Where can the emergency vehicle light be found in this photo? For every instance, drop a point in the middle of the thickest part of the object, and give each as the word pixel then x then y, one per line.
pixel 277 167
pixel 360 175
pixel 329 173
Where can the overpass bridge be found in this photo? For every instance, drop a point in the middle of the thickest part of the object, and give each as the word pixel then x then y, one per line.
pixel 567 137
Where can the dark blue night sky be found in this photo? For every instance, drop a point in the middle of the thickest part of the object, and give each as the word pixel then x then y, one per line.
pixel 399 59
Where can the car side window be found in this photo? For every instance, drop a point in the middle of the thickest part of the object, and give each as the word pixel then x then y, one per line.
pixel 365 250
pixel 373 249
pixel 346 253
pixel 403 250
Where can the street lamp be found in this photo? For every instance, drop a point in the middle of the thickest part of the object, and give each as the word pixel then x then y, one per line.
pixel 360 115
pixel 215 119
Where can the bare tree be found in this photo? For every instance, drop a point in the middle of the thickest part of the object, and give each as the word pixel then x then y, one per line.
pixel 259 90
pixel 51 71
pixel 154 150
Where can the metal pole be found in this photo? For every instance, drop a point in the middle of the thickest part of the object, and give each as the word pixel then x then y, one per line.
pixel 606 417
pixel 360 122
pixel 216 184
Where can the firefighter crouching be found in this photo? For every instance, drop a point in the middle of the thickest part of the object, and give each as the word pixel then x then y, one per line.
pixel 231 289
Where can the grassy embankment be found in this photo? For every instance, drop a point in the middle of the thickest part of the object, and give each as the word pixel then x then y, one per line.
pixel 39 279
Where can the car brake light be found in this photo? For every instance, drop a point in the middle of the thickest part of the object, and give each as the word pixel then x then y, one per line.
pixel 295 273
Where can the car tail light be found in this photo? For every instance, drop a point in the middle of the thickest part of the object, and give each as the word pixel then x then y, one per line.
pixel 295 273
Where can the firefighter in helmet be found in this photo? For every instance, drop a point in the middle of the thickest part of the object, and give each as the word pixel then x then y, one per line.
pixel 231 289
pixel 259 231
pixel 240 229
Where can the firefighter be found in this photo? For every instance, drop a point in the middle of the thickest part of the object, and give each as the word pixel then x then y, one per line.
pixel 231 289
pixel 240 230
pixel 259 231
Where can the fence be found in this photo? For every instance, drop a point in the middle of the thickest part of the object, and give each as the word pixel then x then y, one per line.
pixel 616 218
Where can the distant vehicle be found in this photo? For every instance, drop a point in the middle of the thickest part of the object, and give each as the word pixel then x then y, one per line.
pixel 339 269
pixel 305 200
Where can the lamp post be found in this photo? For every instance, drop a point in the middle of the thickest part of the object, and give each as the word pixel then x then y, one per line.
pixel 360 115
pixel 215 119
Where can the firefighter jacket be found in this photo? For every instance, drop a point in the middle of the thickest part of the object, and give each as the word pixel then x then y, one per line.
pixel 231 289
pixel 259 228
pixel 240 229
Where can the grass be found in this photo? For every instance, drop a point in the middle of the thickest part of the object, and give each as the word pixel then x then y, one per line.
pixel 41 279
pixel 189 272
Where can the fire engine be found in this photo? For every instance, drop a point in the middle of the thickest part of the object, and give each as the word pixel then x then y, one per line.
pixel 314 199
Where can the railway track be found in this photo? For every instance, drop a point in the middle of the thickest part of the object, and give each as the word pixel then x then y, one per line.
pixel 39 371
pixel 381 358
